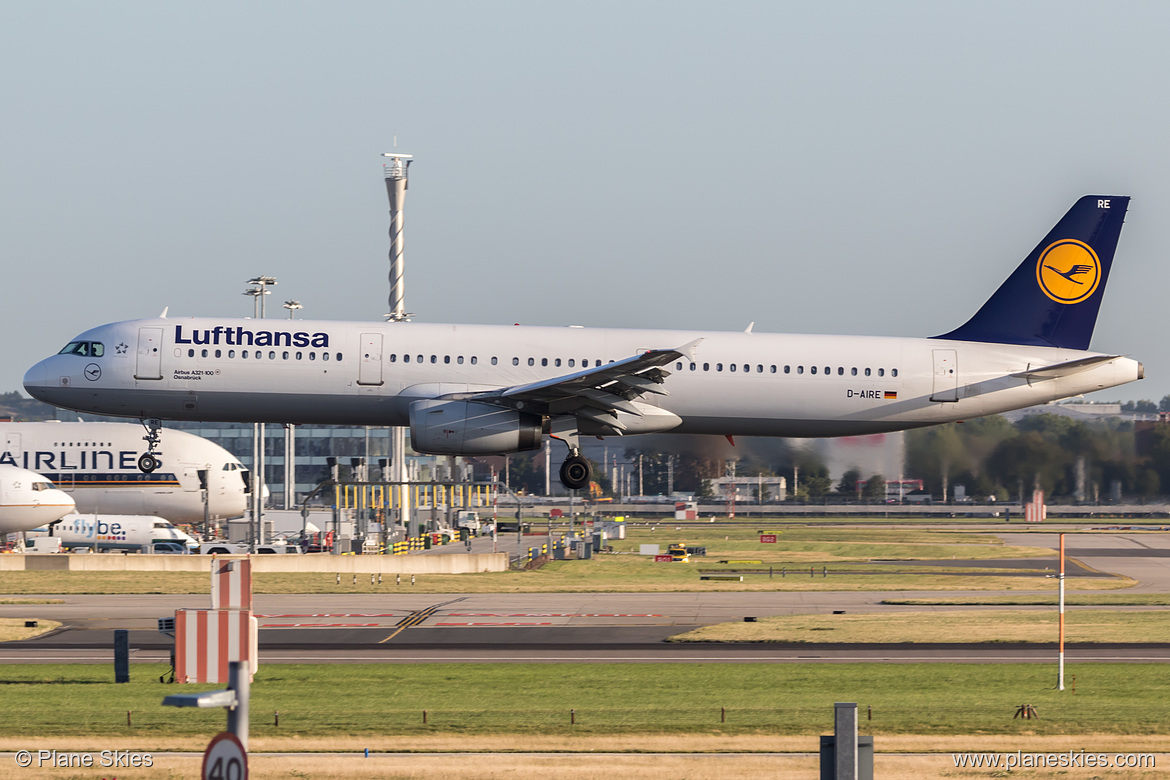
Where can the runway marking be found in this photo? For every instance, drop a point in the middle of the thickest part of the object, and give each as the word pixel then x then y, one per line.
pixel 493 624
pixel 415 618
pixel 553 614
pixel 335 614
pixel 320 625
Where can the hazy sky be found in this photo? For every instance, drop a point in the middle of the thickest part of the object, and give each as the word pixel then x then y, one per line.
pixel 847 167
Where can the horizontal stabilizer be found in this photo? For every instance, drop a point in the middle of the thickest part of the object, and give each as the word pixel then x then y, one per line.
pixel 1057 370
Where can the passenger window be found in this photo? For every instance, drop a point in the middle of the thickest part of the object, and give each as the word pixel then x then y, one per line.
pixel 678 366
pixel 515 361
pixel 434 358
pixel 218 353
pixel 706 366
pixel 312 356
pixel 325 356
pixel 272 354
pixel 532 361
pixel 231 353
pixel 787 369
pixel 494 361
pixel 338 357
pixel 474 360
pixel 828 370
pixel 544 362
pixel 812 369
pixel 393 357
pixel 800 369
pixel 301 354
pixel 893 372
pixel 760 369
pixel 405 358
pixel 572 362
pixel 732 366
pixel 718 366
pixel 447 360
pixel 557 362
pixel 853 371
pixel 867 372
pixel 881 372
pixel 190 353
pixel 840 370
pixel 692 366
pixel 204 353
pixel 459 360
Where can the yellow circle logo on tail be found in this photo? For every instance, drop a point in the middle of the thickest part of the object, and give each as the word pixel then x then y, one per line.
pixel 1068 271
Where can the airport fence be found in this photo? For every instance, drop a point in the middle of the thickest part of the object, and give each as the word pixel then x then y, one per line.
pixel 1022 719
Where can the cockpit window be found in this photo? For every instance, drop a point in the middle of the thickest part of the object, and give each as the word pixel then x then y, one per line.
pixel 84 348
pixel 42 486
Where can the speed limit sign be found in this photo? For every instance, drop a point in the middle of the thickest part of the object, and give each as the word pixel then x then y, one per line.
pixel 225 758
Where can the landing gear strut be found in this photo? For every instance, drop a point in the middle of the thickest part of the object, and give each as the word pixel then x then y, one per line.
pixel 148 461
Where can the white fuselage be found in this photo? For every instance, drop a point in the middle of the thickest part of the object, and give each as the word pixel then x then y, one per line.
pixel 755 384
pixel 96 464
pixel 28 500
pixel 114 532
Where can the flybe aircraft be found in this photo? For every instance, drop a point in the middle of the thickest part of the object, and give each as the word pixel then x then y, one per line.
pixel 481 389
pixel 28 499
pixel 97 464
pixel 114 532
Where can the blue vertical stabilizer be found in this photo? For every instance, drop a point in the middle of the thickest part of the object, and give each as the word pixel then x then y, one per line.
pixel 1052 299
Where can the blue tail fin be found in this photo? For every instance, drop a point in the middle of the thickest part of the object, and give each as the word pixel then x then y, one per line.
pixel 1052 298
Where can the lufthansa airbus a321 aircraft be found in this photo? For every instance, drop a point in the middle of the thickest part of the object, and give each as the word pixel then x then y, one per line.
pixel 483 389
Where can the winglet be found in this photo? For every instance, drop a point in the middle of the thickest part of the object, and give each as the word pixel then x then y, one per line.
pixel 688 350
pixel 163 316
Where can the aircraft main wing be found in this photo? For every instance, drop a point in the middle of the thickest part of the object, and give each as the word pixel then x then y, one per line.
pixel 595 393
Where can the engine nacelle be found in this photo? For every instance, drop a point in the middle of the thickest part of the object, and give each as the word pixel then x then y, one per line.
pixel 440 427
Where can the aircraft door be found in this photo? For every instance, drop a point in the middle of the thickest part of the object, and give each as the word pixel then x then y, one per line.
pixel 12 449
pixel 370 368
pixel 149 365
pixel 946 376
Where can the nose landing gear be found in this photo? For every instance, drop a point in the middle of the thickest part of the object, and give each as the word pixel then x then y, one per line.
pixel 148 461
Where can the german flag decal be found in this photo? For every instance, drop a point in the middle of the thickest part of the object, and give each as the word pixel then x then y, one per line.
pixel 890 394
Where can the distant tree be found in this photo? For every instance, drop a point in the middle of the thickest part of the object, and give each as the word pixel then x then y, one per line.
pixel 875 488
pixel 848 484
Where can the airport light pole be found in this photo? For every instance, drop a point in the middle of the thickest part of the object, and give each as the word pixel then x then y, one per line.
pixel 395 173
pixel 258 291
pixel 290 433
pixel 262 282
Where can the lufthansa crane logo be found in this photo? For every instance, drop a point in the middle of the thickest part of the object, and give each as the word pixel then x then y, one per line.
pixel 1068 271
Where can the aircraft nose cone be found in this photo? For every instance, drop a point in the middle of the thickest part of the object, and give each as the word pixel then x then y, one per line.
pixel 36 380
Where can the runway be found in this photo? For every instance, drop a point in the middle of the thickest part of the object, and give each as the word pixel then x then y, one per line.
pixel 404 627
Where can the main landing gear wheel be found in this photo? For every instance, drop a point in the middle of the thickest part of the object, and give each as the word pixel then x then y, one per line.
pixel 575 472
pixel 147 463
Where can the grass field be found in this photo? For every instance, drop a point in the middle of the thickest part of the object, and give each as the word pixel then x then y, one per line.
pixel 1075 600
pixel 383 705
pixel 796 563
pixel 1081 625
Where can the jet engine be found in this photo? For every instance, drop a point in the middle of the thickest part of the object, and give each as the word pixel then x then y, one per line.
pixel 440 427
